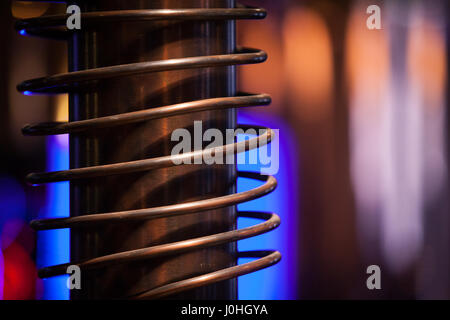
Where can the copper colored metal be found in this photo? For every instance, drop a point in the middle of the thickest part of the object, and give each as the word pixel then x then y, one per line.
pixel 141 226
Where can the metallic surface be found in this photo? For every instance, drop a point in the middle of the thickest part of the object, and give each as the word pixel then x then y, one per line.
pixel 170 248
pixel 45 85
pixel 121 70
pixel 52 128
pixel 160 212
pixel 97 17
pixel 149 164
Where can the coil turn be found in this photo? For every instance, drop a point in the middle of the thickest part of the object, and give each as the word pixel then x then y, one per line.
pixel 53 26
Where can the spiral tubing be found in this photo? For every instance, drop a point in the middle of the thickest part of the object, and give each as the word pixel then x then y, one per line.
pixel 53 26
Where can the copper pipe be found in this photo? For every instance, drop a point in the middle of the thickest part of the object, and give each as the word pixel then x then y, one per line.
pixel 128 74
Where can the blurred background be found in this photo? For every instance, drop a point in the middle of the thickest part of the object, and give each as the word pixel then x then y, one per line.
pixel 363 180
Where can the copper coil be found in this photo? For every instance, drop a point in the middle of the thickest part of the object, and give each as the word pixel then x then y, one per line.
pixel 53 26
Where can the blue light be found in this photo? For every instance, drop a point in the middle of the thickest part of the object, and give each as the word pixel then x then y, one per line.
pixel 23 32
pixel 279 281
pixel 27 93
pixel 54 245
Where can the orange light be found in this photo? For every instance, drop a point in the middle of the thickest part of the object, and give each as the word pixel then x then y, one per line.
pixel 28 9
pixel 367 58
pixel 427 62
pixel 308 63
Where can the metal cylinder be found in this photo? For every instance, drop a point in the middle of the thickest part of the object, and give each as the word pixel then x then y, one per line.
pixel 114 43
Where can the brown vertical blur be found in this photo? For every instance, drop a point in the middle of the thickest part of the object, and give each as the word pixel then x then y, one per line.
pixel 314 36
pixel 304 74
pixel 5 24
